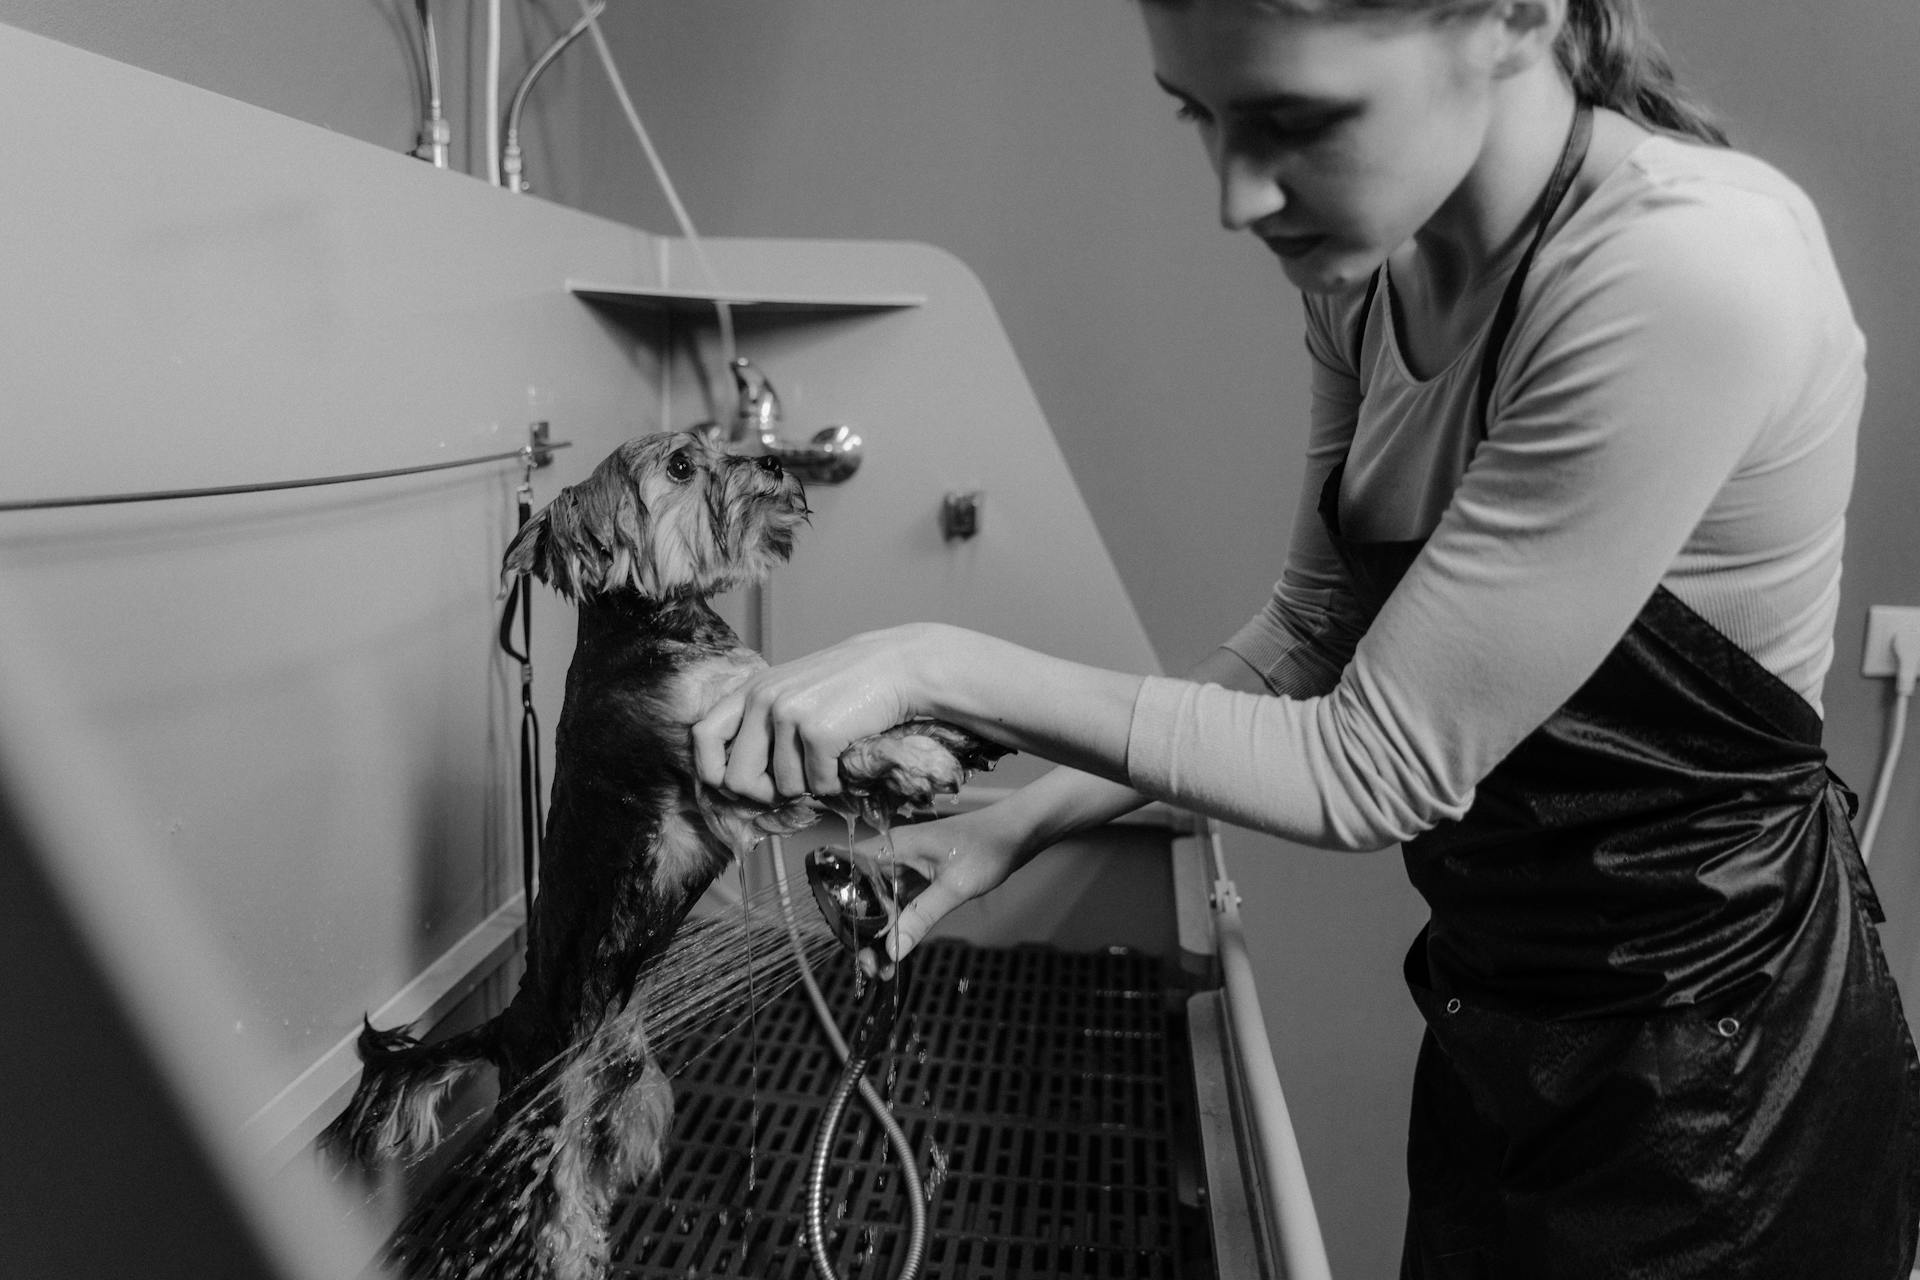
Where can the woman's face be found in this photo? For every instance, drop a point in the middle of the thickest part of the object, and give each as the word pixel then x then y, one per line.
pixel 1334 140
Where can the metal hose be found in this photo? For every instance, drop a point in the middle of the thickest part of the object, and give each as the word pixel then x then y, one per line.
pixel 854 1077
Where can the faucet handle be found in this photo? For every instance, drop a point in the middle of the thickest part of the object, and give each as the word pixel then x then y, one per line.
pixel 830 457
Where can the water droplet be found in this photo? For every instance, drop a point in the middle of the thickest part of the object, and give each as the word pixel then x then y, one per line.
pixel 936 1169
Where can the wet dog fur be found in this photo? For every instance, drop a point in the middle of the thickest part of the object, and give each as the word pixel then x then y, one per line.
pixel 632 841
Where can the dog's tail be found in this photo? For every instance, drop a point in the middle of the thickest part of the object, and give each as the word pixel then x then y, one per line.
pixel 394 1113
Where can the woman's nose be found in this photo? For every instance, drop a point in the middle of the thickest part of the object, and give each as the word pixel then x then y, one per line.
pixel 1248 193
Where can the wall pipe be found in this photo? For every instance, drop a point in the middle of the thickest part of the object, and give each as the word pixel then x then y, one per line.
pixel 1279 1171
pixel 534 454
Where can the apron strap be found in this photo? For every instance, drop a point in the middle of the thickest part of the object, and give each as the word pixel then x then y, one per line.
pixel 1572 156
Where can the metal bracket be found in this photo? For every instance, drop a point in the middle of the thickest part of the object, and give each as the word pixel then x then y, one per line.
pixel 960 516
pixel 539 436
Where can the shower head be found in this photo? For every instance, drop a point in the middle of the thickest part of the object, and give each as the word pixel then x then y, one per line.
pixel 859 916
pixel 853 909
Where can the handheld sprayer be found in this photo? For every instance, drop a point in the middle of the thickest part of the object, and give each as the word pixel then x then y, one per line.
pixel 859 916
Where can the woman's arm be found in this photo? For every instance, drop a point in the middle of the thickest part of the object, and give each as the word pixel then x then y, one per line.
pixel 781 731
pixel 971 853
pixel 1635 386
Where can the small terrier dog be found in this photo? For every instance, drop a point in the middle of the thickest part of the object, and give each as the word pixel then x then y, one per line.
pixel 632 840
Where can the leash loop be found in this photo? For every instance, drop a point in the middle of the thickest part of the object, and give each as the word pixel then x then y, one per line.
pixel 520 602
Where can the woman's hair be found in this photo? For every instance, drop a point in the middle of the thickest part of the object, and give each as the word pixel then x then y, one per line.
pixel 1606 49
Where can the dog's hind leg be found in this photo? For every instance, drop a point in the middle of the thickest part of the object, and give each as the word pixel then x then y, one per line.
pixel 617 1106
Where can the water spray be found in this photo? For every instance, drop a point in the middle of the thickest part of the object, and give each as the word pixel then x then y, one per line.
pixel 859 916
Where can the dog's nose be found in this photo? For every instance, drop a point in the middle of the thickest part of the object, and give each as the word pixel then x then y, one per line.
pixel 770 464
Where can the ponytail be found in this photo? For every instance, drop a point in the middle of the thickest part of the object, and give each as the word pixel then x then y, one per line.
pixel 1613 59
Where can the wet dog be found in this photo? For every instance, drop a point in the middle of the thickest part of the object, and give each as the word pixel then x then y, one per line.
pixel 632 840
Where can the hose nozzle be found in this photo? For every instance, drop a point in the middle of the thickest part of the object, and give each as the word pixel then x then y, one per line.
pixel 859 916
pixel 856 912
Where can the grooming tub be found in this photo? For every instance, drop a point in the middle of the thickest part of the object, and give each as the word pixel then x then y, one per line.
pixel 257 748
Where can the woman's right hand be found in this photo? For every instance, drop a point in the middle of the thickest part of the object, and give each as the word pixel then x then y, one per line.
pixel 960 858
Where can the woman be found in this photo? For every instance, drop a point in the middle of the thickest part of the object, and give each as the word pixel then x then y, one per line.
pixel 1556 615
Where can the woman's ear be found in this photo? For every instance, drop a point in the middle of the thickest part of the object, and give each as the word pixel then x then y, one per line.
pixel 1529 30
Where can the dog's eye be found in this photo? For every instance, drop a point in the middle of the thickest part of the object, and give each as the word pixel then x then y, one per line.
pixel 680 467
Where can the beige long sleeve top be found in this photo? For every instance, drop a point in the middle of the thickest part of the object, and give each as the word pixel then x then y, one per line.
pixel 1676 404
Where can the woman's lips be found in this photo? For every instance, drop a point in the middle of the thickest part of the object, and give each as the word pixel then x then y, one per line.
pixel 1293 246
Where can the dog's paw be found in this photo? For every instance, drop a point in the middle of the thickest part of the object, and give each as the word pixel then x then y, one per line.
pixel 906 766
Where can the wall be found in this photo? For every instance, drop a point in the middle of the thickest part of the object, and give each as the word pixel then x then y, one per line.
pixel 354 68
pixel 1028 140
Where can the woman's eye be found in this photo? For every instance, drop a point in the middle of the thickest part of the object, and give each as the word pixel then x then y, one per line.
pixel 1302 131
pixel 679 468
pixel 1191 114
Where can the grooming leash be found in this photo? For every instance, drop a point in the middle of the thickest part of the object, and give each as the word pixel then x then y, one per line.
pixel 520 600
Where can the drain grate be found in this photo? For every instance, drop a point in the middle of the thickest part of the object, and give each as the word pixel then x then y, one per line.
pixel 1039 1090
pixel 1035 1086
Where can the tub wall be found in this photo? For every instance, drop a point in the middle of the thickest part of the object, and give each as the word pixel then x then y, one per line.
pixel 1028 140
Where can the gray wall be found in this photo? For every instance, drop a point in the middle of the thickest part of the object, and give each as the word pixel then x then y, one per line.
pixel 1028 140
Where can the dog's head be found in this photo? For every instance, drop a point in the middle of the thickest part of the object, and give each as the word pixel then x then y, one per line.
pixel 666 516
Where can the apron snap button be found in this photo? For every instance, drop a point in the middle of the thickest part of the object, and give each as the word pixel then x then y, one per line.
pixel 1727 1027
pixel 1453 1005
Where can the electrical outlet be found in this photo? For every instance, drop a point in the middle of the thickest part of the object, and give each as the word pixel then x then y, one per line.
pixel 1884 621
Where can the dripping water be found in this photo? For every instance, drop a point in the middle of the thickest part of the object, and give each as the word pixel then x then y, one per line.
pixel 753 1032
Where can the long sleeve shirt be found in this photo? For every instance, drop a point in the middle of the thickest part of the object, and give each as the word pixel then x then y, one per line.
pixel 1676 405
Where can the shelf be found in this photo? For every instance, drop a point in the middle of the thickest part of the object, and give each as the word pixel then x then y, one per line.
pixel 687 301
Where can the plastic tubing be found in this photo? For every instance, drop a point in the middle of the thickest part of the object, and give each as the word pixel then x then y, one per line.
pixel 722 311
pixel 1883 785
pixel 1906 655
pixel 492 88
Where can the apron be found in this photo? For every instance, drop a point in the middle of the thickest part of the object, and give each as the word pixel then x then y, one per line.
pixel 1662 1040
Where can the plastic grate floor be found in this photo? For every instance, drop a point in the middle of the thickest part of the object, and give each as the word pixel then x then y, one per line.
pixel 1036 1086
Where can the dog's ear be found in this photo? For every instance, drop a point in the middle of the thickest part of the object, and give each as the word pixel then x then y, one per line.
pixel 529 552
pixel 590 538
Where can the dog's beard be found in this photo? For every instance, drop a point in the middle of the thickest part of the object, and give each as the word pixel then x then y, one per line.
pixel 739 530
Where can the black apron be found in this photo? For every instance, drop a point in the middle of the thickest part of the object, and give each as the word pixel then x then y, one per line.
pixel 1662 1040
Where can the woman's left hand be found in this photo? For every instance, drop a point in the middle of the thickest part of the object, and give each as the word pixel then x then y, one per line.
pixel 779 733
